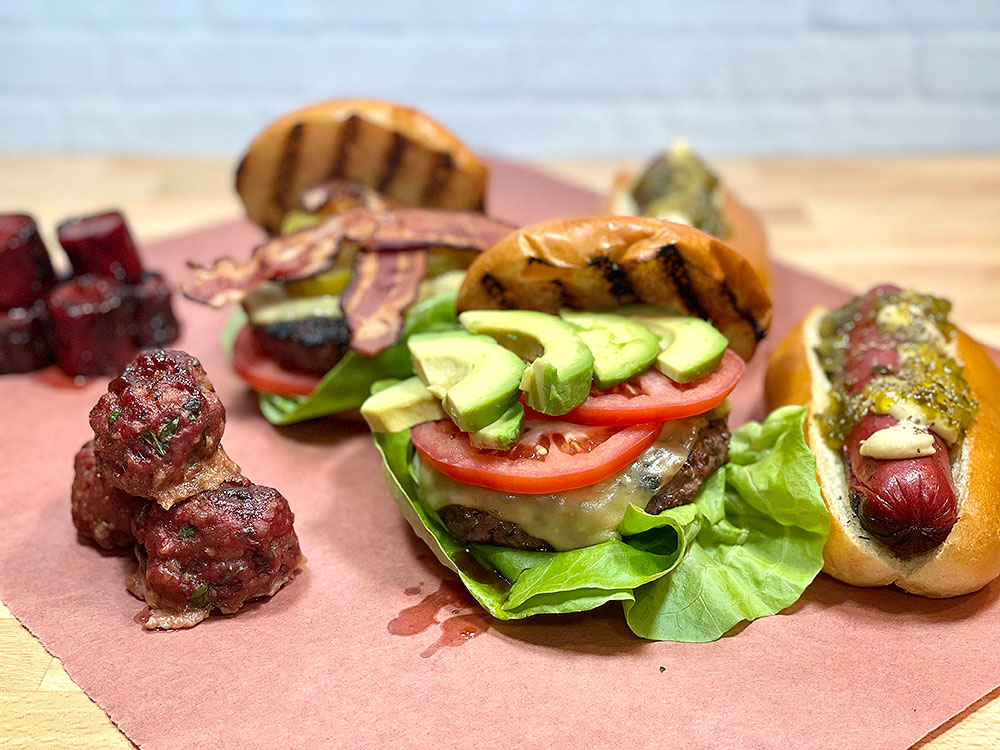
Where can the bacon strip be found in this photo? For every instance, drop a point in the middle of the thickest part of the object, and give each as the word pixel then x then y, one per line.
pixel 314 250
pixel 384 285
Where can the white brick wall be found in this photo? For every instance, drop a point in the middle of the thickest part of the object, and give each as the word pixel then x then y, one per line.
pixel 520 77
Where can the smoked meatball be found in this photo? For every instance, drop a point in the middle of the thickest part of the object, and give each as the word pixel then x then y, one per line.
pixel 101 512
pixel 157 429
pixel 215 550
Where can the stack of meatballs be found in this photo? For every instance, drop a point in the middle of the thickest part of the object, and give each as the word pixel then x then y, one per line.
pixel 156 477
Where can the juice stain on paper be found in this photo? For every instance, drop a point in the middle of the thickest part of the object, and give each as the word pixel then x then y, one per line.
pixel 457 627
pixel 56 378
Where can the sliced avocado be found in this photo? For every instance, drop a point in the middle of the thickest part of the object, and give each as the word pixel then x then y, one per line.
pixel 557 378
pixel 475 378
pixel 400 406
pixel 622 348
pixel 500 435
pixel 381 385
pixel 689 347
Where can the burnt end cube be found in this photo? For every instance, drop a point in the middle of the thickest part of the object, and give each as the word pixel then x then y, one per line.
pixel 26 273
pixel 101 245
pixel 91 326
pixel 25 338
pixel 154 324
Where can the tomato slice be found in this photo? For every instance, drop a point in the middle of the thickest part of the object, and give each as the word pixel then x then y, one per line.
pixel 551 455
pixel 266 375
pixel 653 397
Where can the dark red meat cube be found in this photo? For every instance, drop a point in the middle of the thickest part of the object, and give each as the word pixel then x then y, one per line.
pixel 154 324
pixel 101 512
pixel 91 322
pixel 216 550
pixel 27 273
pixel 25 338
pixel 101 244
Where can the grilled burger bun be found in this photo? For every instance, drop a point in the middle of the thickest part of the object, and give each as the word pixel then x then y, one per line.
pixel 603 262
pixel 746 233
pixel 395 150
pixel 969 558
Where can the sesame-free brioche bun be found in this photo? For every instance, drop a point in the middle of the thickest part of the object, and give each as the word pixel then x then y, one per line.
pixel 607 261
pixel 395 150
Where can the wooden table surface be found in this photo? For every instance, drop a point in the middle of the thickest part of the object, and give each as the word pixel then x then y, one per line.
pixel 932 222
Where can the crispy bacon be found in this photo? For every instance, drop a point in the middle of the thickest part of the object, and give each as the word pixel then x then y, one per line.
pixel 384 285
pixel 314 250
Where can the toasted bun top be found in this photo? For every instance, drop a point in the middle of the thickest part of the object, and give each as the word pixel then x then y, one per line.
pixel 606 261
pixel 395 150
pixel 970 556
pixel 746 232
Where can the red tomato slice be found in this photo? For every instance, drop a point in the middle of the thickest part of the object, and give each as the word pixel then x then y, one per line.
pixel 551 456
pixel 653 397
pixel 264 374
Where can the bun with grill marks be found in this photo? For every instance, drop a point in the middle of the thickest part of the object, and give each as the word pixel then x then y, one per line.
pixel 608 261
pixel 394 150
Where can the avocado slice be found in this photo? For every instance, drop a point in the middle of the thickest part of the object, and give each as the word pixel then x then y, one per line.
pixel 501 435
pixel 475 378
pixel 689 347
pixel 400 406
pixel 622 348
pixel 560 366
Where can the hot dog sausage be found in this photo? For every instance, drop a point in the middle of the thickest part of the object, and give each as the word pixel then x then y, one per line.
pixel 908 504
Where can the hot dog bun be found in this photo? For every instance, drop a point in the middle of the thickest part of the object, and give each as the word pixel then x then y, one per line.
pixel 746 232
pixel 970 557
pixel 395 150
pixel 608 261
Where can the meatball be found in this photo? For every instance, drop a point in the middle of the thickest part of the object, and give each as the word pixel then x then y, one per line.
pixel 157 430
pixel 215 550
pixel 101 512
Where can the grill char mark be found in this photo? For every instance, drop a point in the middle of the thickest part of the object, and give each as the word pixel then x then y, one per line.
pixel 616 276
pixel 758 330
pixel 438 179
pixel 392 161
pixel 496 290
pixel 563 296
pixel 348 133
pixel 676 267
pixel 284 175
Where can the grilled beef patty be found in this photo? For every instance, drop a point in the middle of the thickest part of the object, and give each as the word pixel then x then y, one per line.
pixel 709 452
pixel 314 344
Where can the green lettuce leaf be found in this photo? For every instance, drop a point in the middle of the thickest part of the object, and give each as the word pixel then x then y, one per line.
pixel 349 382
pixel 746 548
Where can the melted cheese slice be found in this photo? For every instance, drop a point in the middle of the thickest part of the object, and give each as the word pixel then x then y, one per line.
pixel 581 517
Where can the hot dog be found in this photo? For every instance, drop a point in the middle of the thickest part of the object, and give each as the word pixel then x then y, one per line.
pixel 904 422
pixel 909 503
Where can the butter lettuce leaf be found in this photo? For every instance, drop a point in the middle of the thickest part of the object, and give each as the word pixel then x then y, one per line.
pixel 746 548
pixel 349 382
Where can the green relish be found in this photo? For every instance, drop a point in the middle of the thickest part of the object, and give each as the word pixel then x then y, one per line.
pixel 926 382
pixel 680 186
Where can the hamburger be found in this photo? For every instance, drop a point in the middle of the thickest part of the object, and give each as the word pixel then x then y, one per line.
pixel 569 445
pixel 374 212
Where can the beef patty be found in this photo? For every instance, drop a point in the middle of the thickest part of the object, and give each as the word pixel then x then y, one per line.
pixel 314 343
pixel 709 452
